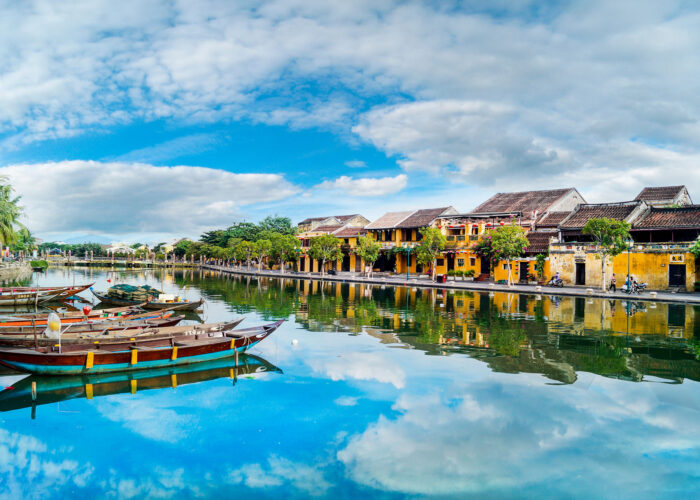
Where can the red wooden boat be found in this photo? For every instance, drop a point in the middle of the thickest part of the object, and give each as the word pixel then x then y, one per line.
pixel 154 320
pixel 108 338
pixel 139 355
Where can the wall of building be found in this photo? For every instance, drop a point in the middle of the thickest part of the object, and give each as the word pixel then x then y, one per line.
pixel 647 266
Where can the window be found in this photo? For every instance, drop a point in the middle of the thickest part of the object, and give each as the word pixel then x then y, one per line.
pixel 472 261
pixel 440 262
pixel 475 230
pixel 505 267
pixel 460 262
pixel 347 241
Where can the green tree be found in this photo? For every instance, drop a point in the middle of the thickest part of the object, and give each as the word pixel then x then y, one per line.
pixel 430 248
pixel 24 241
pixel 182 247
pixel 284 248
pixel 276 224
pixel 244 252
pixel 261 249
pixel 246 231
pixel 325 248
pixel 368 250
pixel 610 235
pixel 10 212
pixel 540 259
pixel 508 242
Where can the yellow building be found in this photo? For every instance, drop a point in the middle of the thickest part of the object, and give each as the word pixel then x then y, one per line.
pixel 399 234
pixel 659 254
pixel 347 228
pixel 537 212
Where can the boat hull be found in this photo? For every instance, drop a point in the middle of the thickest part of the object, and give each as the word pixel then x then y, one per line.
pixel 88 362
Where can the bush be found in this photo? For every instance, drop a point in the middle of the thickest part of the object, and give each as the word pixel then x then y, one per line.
pixel 469 273
pixel 452 272
pixel 39 263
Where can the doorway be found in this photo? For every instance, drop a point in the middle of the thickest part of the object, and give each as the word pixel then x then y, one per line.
pixel 676 275
pixel 580 273
pixel 485 266
pixel 451 261
pixel 524 272
pixel 346 263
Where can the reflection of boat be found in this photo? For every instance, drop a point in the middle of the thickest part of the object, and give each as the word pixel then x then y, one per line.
pixel 139 354
pixel 153 304
pixel 49 390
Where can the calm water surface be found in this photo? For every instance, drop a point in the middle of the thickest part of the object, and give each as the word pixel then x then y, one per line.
pixel 378 392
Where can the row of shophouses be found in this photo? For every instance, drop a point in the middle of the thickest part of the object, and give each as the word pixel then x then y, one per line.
pixel 664 225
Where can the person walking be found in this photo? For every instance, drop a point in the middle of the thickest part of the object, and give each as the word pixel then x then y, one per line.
pixel 613 283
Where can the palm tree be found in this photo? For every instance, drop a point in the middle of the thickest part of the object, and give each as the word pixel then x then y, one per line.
pixel 10 212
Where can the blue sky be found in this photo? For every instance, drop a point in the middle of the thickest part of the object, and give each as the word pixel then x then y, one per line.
pixel 167 118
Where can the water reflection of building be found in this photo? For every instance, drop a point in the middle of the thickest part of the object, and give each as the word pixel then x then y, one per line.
pixel 554 336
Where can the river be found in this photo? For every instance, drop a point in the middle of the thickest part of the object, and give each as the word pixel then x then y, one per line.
pixel 372 391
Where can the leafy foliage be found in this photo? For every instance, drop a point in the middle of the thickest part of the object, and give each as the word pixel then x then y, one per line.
pixel 431 247
pixel 611 236
pixel 368 250
pixel 10 212
pixel 325 248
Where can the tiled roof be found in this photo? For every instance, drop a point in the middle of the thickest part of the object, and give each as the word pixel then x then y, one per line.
pixel 585 212
pixel 347 232
pixel 421 218
pixel 539 242
pixel 552 219
pixel 343 218
pixel 313 219
pixel 388 220
pixel 326 229
pixel 670 218
pixel 659 193
pixel 524 201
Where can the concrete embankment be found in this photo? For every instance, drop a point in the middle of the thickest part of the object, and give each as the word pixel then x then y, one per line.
pixel 14 271
pixel 481 286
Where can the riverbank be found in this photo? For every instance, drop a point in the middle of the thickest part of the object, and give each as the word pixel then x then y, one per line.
pixel 14 271
pixel 481 286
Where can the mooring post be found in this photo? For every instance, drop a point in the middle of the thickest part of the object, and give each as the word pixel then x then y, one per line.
pixel 33 390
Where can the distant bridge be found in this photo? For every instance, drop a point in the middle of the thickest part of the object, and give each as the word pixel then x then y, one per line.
pixel 118 262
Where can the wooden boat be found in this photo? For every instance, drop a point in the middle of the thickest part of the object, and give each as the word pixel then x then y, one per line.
pixel 152 304
pixel 165 318
pixel 11 298
pixel 35 390
pixel 95 316
pixel 107 338
pixel 140 354
pixel 63 291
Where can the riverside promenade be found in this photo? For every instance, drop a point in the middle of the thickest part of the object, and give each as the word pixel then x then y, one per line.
pixel 481 286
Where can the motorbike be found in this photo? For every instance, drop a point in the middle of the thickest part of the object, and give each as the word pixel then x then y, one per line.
pixel 554 281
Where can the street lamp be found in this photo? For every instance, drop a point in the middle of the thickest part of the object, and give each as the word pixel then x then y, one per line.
pixel 629 252
pixel 408 260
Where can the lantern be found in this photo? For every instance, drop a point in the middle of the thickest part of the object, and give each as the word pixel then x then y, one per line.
pixel 86 310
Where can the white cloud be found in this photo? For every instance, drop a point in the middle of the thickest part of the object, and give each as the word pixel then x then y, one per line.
pixel 366 186
pixel 489 440
pixel 132 197
pixel 527 94
pixel 356 164
pixel 281 471
pixel 361 366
